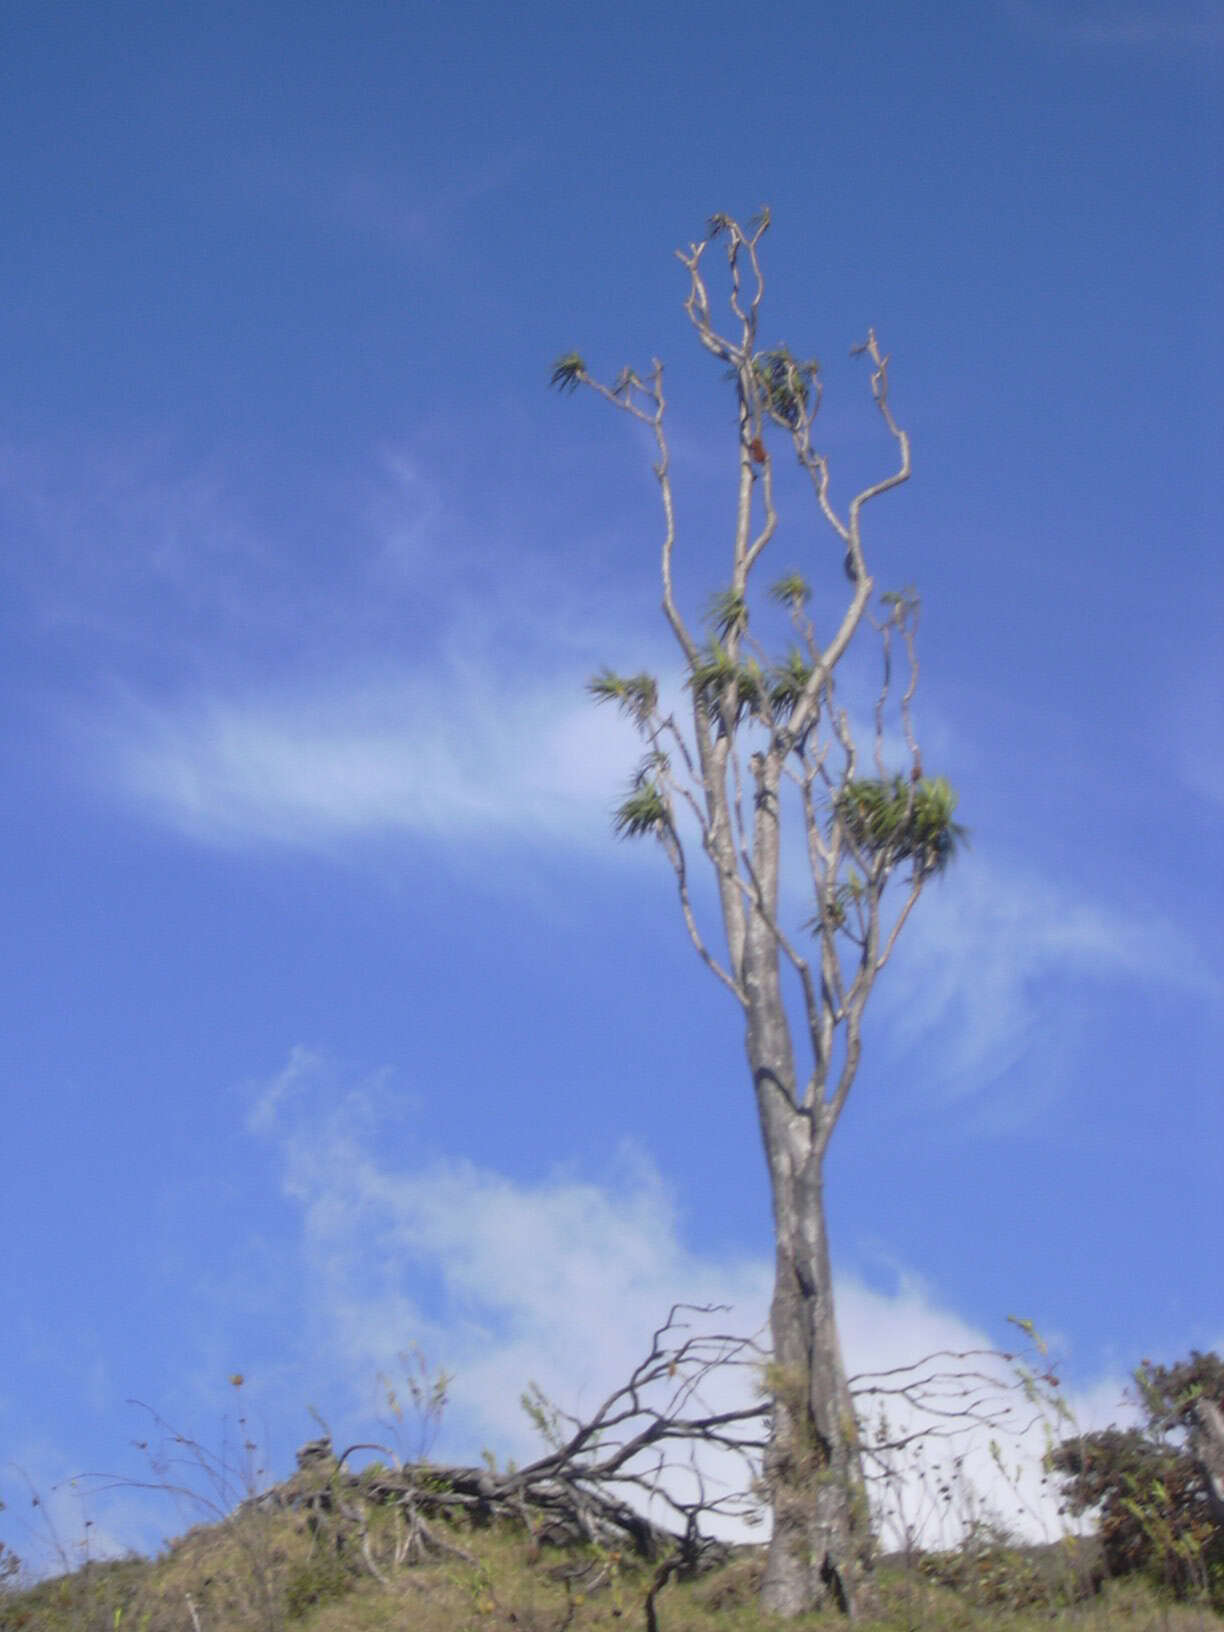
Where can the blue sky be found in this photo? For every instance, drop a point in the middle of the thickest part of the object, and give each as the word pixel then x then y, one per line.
pixel 335 1018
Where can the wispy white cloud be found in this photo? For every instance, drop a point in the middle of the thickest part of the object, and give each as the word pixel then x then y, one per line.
pixel 482 736
pixel 505 1281
pixel 994 957
pixel 418 684
pixel 559 1281
pixel 457 757
pixel 994 963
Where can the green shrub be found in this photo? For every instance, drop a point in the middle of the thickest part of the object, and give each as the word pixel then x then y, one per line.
pixel 319 1579
pixel 1148 1487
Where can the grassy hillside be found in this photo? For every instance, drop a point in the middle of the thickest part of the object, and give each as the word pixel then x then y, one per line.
pixel 554 1546
pixel 355 1562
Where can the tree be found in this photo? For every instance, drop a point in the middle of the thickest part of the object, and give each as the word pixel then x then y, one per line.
pixel 1159 1488
pixel 770 749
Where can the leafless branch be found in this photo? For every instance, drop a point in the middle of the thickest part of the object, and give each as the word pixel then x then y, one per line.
pixel 674 851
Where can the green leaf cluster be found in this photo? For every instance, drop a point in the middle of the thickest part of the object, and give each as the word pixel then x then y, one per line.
pixel 785 383
pixel 568 372
pixel 727 613
pixel 895 820
pixel 636 695
pixel 793 591
pixel 643 811
pixel 787 682
pixel 727 687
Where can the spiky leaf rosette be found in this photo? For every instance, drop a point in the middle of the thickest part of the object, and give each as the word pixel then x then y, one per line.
pixel 636 695
pixel 894 820
pixel 568 372
pixel 643 811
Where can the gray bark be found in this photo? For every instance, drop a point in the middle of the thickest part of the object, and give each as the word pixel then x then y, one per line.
pixel 821 1535
pixel 1209 1447
pixel 821 1538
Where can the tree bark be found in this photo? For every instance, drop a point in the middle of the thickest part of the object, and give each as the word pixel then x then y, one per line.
pixel 820 1549
pixel 1209 1422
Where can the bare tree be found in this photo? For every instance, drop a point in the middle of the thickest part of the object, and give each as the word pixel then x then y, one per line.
pixel 769 746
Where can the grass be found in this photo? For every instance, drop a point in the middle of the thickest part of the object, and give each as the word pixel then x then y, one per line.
pixel 263 1569
pixel 416 1546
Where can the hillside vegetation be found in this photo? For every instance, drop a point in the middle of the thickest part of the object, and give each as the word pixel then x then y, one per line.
pixel 329 1556
pixel 554 1545
pixel 266 1572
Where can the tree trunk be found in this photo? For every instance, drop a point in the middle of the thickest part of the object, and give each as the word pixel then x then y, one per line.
pixel 1209 1422
pixel 819 1556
